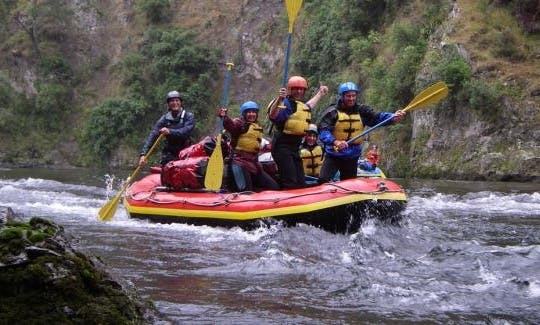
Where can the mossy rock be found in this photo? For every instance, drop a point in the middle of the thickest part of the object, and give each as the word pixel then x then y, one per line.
pixel 45 281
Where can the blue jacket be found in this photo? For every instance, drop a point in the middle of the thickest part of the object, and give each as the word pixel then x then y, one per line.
pixel 179 138
pixel 328 121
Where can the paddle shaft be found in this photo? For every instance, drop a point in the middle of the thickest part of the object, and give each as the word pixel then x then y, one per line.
pixel 286 66
pixel 293 7
pixel 224 98
pixel 214 169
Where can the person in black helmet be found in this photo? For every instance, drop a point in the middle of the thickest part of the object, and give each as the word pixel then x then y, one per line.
pixel 176 125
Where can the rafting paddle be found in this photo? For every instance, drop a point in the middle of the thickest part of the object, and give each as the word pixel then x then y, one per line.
pixel 106 213
pixel 293 6
pixel 431 95
pixel 214 169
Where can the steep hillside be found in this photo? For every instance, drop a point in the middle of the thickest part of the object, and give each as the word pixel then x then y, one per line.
pixel 486 140
pixel 488 51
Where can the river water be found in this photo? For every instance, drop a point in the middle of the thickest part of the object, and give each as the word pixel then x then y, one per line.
pixel 464 252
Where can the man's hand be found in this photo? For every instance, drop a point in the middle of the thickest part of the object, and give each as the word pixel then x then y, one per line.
pixel 399 116
pixel 142 161
pixel 221 112
pixel 340 145
pixel 282 93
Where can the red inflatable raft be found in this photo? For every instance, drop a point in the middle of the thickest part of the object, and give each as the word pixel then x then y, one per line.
pixel 337 207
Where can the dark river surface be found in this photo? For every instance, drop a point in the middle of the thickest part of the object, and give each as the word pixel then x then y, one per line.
pixel 463 253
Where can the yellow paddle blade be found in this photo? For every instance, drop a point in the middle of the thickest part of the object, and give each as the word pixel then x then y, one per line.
pixel 432 95
pixel 214 169
pixel 106 213
pixel 293 6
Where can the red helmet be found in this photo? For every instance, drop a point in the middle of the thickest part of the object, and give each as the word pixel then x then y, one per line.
pixel 296 82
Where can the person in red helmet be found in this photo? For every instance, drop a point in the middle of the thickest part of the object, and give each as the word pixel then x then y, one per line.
pixel 291 118
pixel 176 125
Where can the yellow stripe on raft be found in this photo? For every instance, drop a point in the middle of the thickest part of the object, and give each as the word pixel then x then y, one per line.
pixel 265 213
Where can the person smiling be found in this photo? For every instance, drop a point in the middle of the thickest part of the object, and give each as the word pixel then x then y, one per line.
pixel 176 125
pixel 246 137
pixel 291 117
pixel 340 122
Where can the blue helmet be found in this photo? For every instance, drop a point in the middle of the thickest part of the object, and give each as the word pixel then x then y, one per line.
pixel 250 105
pixel 347 86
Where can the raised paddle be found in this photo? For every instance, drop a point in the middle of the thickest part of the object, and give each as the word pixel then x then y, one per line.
pixel 106 213
pixel 214 169
pixel 431 95
pixel 293 6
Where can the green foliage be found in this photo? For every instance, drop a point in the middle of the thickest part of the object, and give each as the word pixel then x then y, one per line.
pixel 53 100
pixel 55 69
pixel 340 33
pixel 391 83
pixel 454 70
pixel 363 48
pixel 169 59
pixel 174 59
pixel 506 45
pixel 485 99
pixel 156 11
pixel 109 123
pixel 433 16
pixel 326 42
pixel 133 76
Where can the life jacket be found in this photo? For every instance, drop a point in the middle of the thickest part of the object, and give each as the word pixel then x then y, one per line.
pixel 250 140
pixel 298 122
pixel 312 160
pixel 347 126
pixel 184 174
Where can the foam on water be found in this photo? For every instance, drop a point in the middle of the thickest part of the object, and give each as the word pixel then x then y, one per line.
pixel 481 203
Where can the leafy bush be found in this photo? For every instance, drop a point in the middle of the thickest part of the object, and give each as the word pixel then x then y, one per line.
pixel 363 48
pixel 133 76
pixel 506 45
pixel 109 124
pixel 55 68
pixel 170 59
pixel 391 81
pixel 156 11
pixel 485 99
pixel 455 71
pixel 53 101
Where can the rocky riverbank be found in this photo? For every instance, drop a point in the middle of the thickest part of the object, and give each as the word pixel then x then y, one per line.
pixel 45 280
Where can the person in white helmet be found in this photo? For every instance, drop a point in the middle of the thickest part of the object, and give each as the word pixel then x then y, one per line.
pixel 176 125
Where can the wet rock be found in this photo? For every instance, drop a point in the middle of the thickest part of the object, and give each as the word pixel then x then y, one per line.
pixel 39 268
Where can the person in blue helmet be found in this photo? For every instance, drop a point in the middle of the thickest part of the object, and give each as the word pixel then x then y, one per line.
pixel 246 136
pixel 342 121
pixel 176 125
